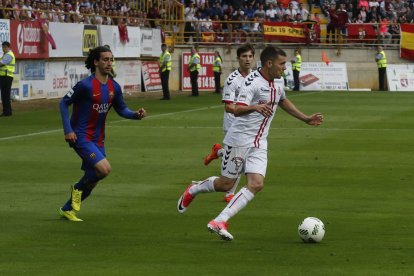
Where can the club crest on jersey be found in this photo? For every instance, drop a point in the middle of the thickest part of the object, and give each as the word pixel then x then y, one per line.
pixel 111 94
pixel 101 108
pixel 238 161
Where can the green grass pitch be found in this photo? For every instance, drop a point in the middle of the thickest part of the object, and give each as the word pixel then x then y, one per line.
pixel 355 173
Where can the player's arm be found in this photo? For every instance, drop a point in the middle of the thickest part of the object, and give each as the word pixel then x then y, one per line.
pixel 64 104
pixel 315 119
pixel 122 109
pixel 264 109
pixel 229 94
pixel 244 99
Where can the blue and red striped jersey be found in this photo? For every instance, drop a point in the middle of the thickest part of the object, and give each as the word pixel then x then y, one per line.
pixel 92 101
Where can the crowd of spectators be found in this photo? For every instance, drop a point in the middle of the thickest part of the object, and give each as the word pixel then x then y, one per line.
pixel 219 17
pixel 105 12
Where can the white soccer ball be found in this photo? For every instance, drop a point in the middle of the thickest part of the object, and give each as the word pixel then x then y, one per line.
pixel 311 230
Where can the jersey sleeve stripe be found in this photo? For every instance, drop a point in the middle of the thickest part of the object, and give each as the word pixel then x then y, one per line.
pixel 239 103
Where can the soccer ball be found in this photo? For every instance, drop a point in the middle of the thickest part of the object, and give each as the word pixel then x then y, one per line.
pixel 311 230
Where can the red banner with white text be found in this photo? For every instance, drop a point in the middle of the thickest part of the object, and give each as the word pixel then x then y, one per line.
pixel 205 75
pixel 28 41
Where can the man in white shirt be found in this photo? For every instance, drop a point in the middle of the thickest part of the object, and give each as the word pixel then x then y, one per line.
pixel 246 140
pixel 232 85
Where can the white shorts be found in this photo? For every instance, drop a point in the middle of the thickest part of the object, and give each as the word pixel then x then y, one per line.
pixel 236 161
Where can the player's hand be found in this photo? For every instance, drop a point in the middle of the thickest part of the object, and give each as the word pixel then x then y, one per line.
pixel 315 119
pixel 141 113
pixel 71 137
pixel 265 109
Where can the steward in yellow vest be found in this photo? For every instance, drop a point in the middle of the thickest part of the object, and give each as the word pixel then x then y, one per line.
pixel 7 67
pixel 217 71
pixel 296 64
pixel 194 67
pixel 165 68
pixel 381 60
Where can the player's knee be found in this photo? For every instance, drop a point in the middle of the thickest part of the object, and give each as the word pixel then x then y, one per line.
pixel 255 186
pixel 104 171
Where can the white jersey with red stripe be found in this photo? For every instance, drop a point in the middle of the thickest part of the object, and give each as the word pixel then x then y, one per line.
pixel 251 130
pixel 230 93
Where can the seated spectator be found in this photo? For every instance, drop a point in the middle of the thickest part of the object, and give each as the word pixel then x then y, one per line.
pixel 27 10
pixel 363 14
pixel 383 31
pixel 295 4
pixel 207 24
pixel 245 25
pixel 359 19
pixel 394 30
pixel 303 12
pixel 216 10
pixel 363 3
pixel 291 12
pixel 271 13
pixel 280 11
pixel 260 13
pixel 249 11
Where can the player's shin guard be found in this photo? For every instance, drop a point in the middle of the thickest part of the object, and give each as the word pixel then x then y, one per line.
pixel 238 202
pixel 205 186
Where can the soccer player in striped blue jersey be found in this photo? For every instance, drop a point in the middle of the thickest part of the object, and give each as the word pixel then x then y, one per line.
pixel 92 98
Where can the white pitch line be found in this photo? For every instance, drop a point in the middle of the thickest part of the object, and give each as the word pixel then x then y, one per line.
pixel 123 120
pixel 109 123
pixel 281 128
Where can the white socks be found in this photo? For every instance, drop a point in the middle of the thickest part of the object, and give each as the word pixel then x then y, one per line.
pixel 220 152
pixel 238 202
pixel 205 186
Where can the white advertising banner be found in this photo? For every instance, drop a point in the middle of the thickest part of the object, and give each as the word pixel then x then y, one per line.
pixel 129 75
pixel 4 30
pixel 68 38
pixel 400 77
pixel 156 42
pixel 110 36
pixel 320 76
pixel 146 42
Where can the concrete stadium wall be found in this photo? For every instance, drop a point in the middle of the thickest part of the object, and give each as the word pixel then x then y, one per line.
pixel 361 65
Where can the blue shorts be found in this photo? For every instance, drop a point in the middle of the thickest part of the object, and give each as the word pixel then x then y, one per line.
pixel 90 153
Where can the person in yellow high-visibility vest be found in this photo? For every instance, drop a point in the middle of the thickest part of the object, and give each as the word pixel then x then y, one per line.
pixel 7 67
pixel 218 61
pixel 194 67
pixel 165 68
pixel 381 60
pixel 296 64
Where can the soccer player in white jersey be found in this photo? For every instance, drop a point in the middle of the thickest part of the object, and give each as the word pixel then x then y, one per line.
pixel 245 57
pixel 245 143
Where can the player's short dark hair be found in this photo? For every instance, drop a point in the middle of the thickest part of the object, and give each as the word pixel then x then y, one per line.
pixel 6 43
pixel 271 53
pixel 95 54
pixel 245 48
